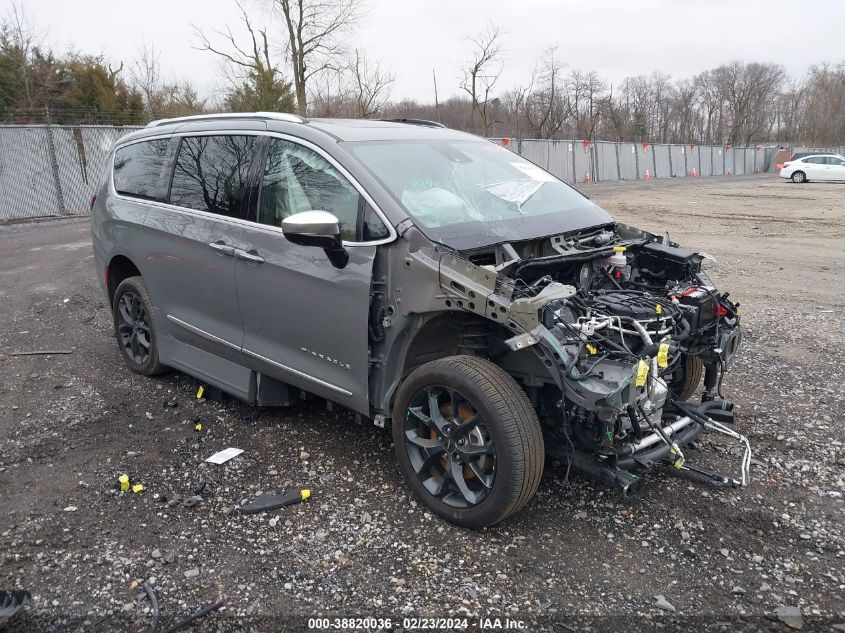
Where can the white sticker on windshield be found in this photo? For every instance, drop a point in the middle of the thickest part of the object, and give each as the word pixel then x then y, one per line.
pixel 534 172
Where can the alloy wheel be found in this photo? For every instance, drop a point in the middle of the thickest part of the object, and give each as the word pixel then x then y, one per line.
pixel 133 327
pixel 449 446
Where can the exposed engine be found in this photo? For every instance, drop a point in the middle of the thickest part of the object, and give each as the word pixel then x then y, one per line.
pixel 630 322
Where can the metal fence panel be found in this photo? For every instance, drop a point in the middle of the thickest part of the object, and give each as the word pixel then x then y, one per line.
pixel 662 166
pixel 560 160
pixel 645 161
pixel 678 156
pixel 739 161
pixel 693 153
pixel 750 160
pixel 730 160
pixel 607 163
pixel 628 161
pixel 705 160
pixel 582 163
pixel 718 160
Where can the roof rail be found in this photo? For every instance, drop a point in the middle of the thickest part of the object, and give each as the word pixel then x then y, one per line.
pixel 422 122
pixel 278 116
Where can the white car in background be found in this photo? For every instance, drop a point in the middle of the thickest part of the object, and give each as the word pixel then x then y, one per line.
pixel 815 167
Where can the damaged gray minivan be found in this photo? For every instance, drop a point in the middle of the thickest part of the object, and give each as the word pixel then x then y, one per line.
pixel 424 278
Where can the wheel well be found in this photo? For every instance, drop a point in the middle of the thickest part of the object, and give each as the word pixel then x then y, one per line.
pixel 448 334
pixel 461 333
pixel 120 268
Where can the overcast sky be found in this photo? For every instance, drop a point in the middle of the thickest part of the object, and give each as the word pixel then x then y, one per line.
pixel 617 38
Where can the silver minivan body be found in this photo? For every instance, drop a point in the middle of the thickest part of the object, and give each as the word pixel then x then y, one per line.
pixel 423 278
pixel 235 302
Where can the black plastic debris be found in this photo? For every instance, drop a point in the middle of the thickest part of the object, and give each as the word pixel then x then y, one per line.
pixel 263 503
pixel 210 608
pixel 11 602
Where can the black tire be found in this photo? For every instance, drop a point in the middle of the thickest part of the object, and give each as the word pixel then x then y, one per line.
pixel 128 323
pixel 799 177
pixel 692 371
pixel 510 424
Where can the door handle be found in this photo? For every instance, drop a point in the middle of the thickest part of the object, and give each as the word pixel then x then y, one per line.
pixel 223 248
pixel 248 256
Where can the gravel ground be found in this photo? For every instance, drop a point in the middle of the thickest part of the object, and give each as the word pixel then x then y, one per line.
pixel 680 555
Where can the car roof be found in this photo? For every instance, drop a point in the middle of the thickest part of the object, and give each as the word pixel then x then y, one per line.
pixel 337 129
pixel 379 130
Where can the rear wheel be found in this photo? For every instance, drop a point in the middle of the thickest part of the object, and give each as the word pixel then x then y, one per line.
pixel 134 327
pixel 467 440
pixel 799 177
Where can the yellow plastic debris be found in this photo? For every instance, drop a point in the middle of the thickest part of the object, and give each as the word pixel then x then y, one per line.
pixel 304 494
pixel 124 482
pixel 200 391
pixel 198 426
pixel 137 488
pixel 591 348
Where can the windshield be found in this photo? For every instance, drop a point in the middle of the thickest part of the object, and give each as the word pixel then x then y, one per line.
pixel 470 193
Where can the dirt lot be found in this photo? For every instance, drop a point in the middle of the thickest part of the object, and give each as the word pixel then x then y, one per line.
pixel 576 558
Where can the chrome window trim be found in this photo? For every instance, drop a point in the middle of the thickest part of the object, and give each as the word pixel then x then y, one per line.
pixel 392 235
pixel 200 332
pixel 296 372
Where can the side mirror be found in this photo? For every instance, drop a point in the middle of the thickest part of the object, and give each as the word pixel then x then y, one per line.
pixel 320 229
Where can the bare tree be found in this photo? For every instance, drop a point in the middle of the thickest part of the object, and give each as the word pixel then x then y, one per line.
pixel 20 34
pixel 256 77
pixel 315 29
pixel 145 74
pixel 371 86
pixel 482 71
pixel 823 113
pixel 587 90
pixel 749 90
pixel 546 105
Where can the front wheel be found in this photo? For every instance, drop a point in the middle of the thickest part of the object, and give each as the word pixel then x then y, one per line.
pixel 467 440
pixel 799 177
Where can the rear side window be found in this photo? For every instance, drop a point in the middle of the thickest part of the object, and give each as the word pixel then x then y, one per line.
pixel 137 168
pixel 815 160
pixel 210 174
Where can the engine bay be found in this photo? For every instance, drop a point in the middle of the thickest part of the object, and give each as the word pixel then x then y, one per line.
pixel 627 324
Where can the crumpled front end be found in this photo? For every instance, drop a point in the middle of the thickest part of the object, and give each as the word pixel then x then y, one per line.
pixel 624 324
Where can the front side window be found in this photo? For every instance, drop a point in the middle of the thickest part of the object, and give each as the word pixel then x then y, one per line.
pixel 211 172
pixel 137 168
pixel 298 179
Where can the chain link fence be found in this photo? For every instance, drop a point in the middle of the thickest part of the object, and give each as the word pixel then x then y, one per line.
pixel 50 170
